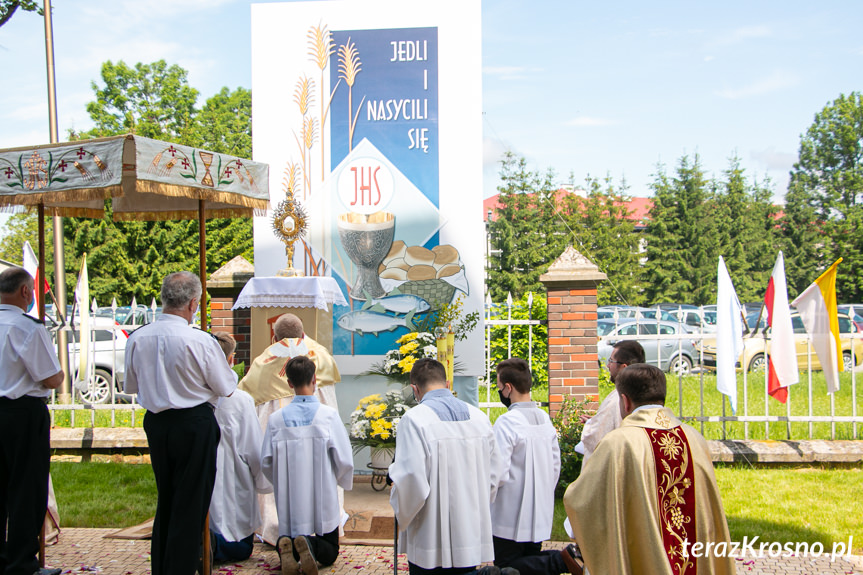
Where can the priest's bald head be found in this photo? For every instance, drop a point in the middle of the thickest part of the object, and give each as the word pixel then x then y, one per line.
pixel 288 325
pixel 640 384
pixel 427 374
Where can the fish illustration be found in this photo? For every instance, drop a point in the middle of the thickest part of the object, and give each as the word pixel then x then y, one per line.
pixel 397 303
pixel 366 321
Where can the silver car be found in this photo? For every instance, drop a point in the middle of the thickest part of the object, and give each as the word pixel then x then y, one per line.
pixel 661 348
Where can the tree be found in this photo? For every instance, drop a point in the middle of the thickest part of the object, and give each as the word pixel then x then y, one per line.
pixel 524 233
pixel 681 237
pixel 747 228
pixel 8 8
pixel 602 231
pixel 825 199
pixel 151 100
pixel 127 259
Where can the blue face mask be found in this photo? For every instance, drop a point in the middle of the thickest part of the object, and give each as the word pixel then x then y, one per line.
pixel 30 306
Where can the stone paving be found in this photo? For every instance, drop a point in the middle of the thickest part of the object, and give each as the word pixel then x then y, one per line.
pixel 87 551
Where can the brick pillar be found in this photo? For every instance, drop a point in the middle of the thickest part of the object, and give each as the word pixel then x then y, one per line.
pixel 224 286
pixel 573 367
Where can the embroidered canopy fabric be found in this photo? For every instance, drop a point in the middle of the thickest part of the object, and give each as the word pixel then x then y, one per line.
pixel 147 179
pixel 317 292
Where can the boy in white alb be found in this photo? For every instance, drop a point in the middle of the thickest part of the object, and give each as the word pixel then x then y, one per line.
pixel 306 454
pixel 234 510
pixel 522 512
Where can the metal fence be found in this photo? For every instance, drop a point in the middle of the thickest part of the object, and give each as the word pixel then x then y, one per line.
pixel 98 395
pixel 809 413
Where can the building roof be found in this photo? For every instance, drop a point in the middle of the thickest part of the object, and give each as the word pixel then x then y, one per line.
pixel 638 208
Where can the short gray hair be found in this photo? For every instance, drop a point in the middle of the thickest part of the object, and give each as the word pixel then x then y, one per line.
pixel 179 288
pixel 11 279
pixel 288 325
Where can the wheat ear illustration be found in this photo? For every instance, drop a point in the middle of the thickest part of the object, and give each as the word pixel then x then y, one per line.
pixel 321 47
pixel 349 66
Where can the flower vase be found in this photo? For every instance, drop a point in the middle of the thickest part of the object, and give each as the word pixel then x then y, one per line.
pixel 382 457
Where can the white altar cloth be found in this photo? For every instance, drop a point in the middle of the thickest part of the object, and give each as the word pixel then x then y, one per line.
pixel 318 292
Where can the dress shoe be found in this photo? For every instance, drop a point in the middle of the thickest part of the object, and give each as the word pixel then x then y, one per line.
pixel 48 571
pixel 308 564
pixel 286 555
pixel 572 559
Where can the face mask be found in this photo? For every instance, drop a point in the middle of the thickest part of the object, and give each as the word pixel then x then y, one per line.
pixel 31 304
pixel 504 400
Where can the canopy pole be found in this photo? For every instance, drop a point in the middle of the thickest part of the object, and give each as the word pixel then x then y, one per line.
pixel 202 266
pixel 41 217
pixel 64 394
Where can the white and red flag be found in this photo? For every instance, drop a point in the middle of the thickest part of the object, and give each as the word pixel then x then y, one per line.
pixel 817 307
pixel 782 367
pixel 31 264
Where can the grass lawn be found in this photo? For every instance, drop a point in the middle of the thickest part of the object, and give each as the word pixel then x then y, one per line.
pixel 784 504
pixel 775 504
pixel 98 418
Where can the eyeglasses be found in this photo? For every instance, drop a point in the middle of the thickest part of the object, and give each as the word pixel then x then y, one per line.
pixel 617 362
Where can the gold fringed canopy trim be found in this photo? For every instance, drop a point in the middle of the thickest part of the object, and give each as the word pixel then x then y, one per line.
pixel 182 215
pixel 146 179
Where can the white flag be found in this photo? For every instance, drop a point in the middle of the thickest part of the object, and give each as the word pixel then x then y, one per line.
pixel 729 335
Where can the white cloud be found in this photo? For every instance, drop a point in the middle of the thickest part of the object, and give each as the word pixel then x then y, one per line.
pixel 589 121
pixel 778 80
pixel 773 159
pixel 493 150
pixel 743 34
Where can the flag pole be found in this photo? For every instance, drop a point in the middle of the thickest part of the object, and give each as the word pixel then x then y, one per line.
pixel 64 396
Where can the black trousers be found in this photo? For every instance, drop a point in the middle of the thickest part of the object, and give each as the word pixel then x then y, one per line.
pixel 325 547
pixel 528 558
pixel 25 456
pixel 183 445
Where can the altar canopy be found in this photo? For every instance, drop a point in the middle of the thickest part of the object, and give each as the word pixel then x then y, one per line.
pixel 146 180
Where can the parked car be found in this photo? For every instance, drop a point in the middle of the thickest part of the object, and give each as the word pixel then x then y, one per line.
pixel 107 357
pixel 754 343
pixel 700 319
pixel 676 355
pixel 855 312
pixel 627 312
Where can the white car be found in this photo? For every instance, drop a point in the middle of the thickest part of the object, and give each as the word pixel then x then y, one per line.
pixel 107 360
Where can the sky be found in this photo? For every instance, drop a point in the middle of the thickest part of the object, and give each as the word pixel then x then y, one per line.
pixel 582 88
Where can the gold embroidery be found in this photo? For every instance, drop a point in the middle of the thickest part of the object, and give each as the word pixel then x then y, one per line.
pixel 663 420
pixel 670 447
pixel 672 484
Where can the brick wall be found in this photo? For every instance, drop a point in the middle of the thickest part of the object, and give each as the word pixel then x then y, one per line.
pixel 238 323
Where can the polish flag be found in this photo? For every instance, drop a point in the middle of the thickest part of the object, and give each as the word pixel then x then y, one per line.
pixel 817 307
pixel 31 264
pixel 782 370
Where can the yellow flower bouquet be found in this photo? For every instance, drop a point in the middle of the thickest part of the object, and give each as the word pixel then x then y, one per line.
pixel 397 363
pixel 374 421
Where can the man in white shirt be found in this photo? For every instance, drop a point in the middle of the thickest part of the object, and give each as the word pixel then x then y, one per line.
pixel 444 478
pixel 234 511
pixel 607 417
pixel 179 373
pixel 29 370
pixel 306 454
pixel 523 510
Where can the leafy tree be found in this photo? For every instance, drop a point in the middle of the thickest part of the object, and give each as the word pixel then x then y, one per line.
pixel 127 259
pixel 523 344
pixel 525 233
pixel 681 238
pixel 151 100
pixel 602 232
pixel 8 8
pixel 825 199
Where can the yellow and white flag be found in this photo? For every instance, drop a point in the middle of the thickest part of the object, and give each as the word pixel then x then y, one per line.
pixel 817 307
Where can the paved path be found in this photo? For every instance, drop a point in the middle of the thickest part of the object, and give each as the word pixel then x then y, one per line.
pixel 86 551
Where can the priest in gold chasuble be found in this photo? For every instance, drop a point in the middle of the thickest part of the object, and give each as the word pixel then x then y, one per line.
pixel 649 492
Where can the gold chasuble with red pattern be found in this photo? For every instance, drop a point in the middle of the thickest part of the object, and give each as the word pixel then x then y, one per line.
pixel 645 497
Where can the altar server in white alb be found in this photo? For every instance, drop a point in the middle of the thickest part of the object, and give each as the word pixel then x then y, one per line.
pixel 444 478
pixel 306 455
pixel 234 510
pixel 523 510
